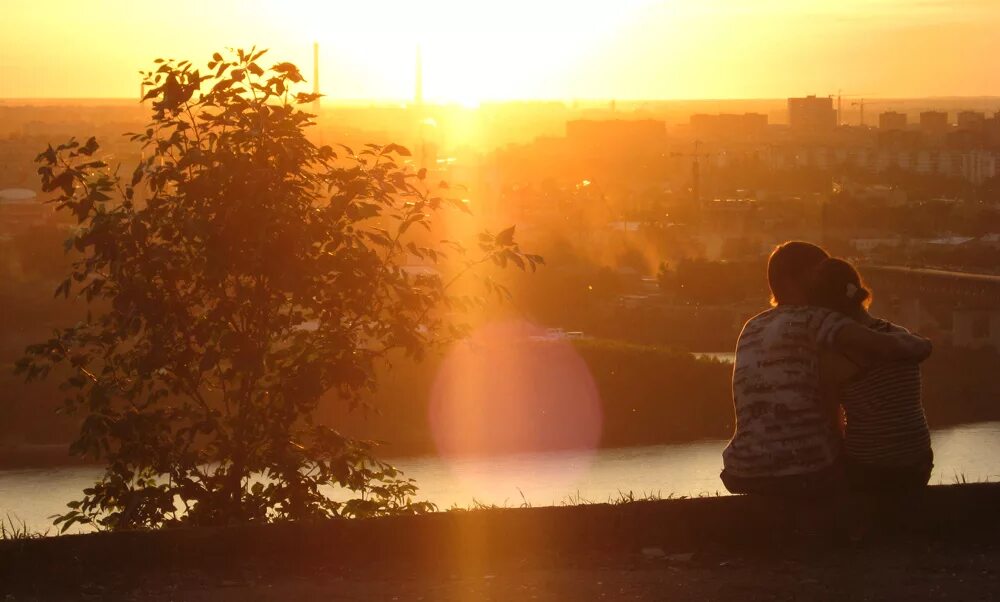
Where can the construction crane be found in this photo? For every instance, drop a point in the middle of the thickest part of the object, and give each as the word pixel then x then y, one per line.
pixel 695 169
pixel 840 97
pixel 862 103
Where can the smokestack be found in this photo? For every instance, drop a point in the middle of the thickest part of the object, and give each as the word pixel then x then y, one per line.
pixel 418 94
pixel 316 76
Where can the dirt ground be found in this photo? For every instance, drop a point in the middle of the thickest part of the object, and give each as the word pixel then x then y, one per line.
pixel 941 545
pixel 862 573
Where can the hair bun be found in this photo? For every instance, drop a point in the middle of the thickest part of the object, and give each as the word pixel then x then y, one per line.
pixel 856 293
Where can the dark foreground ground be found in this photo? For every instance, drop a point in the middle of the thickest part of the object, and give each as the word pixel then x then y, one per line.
pixel 940 546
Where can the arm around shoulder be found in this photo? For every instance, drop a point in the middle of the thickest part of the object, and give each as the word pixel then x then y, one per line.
pixel 857 341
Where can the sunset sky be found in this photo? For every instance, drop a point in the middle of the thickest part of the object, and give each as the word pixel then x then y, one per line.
pixel 474 51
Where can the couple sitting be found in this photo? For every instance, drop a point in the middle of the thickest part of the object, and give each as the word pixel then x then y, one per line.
pixel 798 363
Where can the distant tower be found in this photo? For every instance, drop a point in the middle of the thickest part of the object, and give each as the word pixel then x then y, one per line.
pixel 316 76
pixel 418 93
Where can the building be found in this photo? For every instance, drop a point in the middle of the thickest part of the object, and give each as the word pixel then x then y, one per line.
pixel 991 128
pixel 811 114
pixel 729 125
pixel 978 166
pixel 971 120
pixel 974 166
pixel 934 123
pixel 892 120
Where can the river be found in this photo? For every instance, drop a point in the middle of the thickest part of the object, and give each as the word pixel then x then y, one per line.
pixel 970 452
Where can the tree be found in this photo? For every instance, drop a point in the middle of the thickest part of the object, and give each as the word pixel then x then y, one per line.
pixel 237 276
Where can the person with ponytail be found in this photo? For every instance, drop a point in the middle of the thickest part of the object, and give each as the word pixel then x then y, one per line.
pixel 887 443
pixel 785 442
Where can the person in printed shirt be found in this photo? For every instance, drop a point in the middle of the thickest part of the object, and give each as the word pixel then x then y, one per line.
pixel 887 443
pixel 787 440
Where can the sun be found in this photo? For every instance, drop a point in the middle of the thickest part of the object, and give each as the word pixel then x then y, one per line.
pixel 471 51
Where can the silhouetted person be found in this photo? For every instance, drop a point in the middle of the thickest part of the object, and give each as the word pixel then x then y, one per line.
pixel 887 444
pixel 786 440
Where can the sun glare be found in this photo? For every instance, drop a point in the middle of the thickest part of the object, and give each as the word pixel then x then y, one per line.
pixel 521 49
pixel 471 51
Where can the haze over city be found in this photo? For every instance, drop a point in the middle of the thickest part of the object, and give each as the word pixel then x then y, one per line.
pixel 452 300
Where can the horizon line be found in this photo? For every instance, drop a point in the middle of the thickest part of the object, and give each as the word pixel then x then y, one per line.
pixel 406 102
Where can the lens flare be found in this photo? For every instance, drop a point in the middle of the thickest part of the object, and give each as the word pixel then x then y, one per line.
pixel 515 388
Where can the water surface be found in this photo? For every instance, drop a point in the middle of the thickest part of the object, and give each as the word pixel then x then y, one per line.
pixel 968 452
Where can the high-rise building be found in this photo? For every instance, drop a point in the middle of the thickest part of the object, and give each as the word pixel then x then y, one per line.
pixel 811 114
pixel 934 122
pixel 892 120
pixel 971 120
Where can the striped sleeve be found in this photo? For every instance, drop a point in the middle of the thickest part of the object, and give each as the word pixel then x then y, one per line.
pixel 886 424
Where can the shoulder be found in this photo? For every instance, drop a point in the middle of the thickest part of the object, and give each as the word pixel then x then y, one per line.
pixel 765 316
pixel 880 325
pixel 812 317
pixel 755 328
pixel 806 318
pixel 790 312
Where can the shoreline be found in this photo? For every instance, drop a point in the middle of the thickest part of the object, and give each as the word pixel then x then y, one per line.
pixel 56 455
pixel 703 535
pixel 30 457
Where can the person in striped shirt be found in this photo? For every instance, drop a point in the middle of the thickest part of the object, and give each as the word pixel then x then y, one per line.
pixel 786 440
pixel 887 443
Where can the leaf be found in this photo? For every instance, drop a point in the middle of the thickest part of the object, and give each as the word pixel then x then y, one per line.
pixel 89 147
pixel 514 257
pixel 290 71
pixel 63 288
pixel 505 237
pixel 63 181
pixel 303 97
pixel 395 148
pixel 47 156
pixel 223 85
